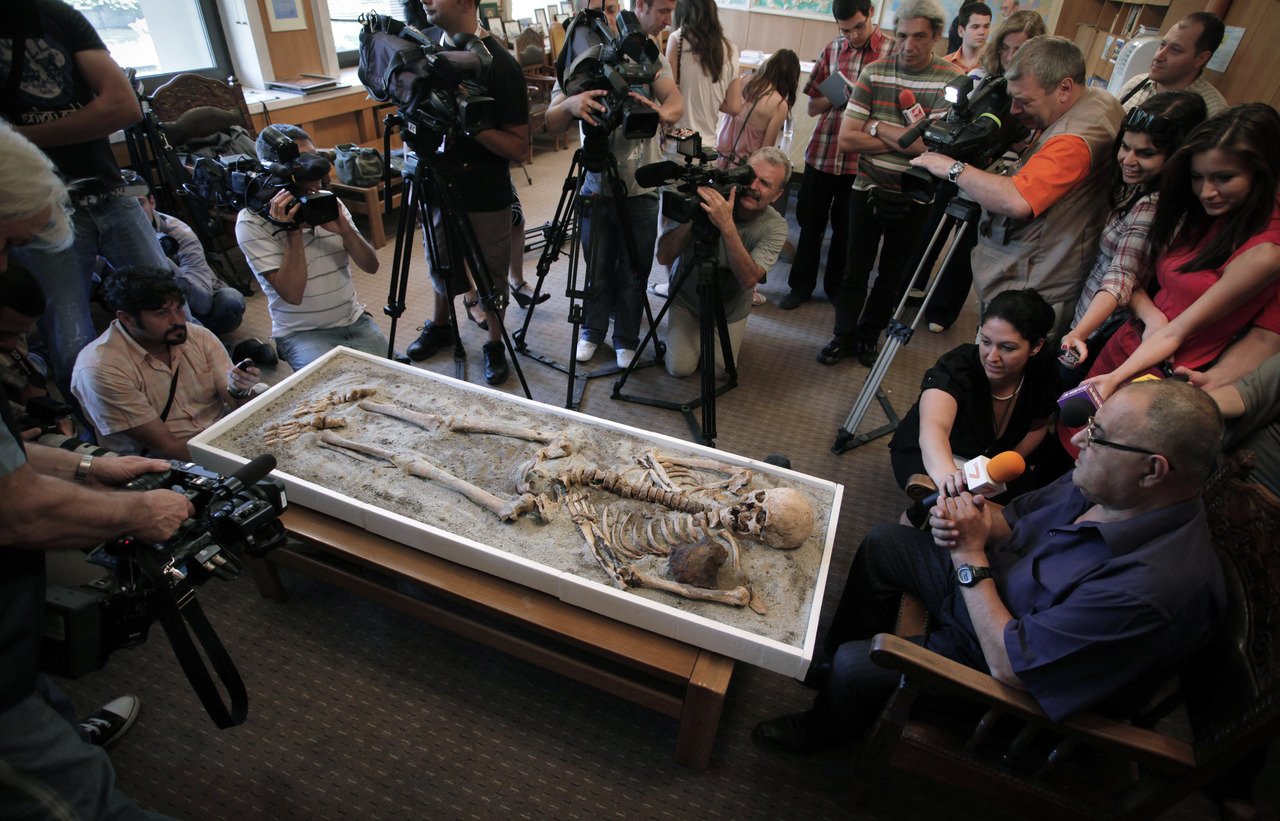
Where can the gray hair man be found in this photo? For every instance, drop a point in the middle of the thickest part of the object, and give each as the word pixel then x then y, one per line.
pixel 1042 217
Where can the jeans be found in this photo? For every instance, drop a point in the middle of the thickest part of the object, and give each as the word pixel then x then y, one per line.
pixel 891 560
pixel 301 348
pixel 44 763
pixel 821 194
pixel 117 230
pixel 226 312
pixel 616 281
pixel 860 317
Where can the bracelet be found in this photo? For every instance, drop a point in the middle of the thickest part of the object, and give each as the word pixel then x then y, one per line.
pixel 237 393
pixel 82 470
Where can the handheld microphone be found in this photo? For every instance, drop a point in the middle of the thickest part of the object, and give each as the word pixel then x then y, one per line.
pixel 911 110
pixel 657 173
pixel 987 476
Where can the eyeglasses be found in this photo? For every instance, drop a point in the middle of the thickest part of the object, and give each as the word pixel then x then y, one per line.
pixel 1092 438
pixel 1154 124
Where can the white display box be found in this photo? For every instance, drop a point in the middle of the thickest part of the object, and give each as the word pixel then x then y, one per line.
pixel 548 557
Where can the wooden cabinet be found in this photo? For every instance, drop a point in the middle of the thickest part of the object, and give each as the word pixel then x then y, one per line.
pixel 1101 27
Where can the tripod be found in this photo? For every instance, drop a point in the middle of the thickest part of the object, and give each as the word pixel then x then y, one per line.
pixel 566 227
pixel 960 213
pixel 427 180
pixel 711 325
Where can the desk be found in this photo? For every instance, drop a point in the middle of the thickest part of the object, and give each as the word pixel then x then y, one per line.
pixel 665 675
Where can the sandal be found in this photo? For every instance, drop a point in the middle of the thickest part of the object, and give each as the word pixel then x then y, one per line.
pixel 523 299
pixel 483 322
pixel 758 298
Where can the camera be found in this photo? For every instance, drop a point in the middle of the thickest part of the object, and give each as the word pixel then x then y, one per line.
pixel 44 413
pixel 437 90
pixel 977 129
pixel 234 515
pixel 293 169
pixel 594 60
pixel 683 203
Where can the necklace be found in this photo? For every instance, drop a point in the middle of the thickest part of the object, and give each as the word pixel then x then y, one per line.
pixel 1010 396
pixel 1004 415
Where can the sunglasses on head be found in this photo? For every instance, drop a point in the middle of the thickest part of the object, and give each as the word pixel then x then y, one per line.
pixel 1154 124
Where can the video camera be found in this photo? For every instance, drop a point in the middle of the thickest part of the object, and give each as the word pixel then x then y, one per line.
pixel 977 129
pixel 594 60
pixel 683 203
pixel 437 90
pixel 239 181
pixel 234 515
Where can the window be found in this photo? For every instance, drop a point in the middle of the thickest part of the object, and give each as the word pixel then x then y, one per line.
pixel 160 38
pixel 344 17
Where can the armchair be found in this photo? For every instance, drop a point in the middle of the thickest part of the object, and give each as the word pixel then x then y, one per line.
pixel 1092 766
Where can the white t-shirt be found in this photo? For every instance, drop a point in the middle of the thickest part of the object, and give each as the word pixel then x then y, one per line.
pixel 703 98
pixel 329 300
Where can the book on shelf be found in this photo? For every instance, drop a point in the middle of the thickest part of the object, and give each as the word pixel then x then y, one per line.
pixel 304 83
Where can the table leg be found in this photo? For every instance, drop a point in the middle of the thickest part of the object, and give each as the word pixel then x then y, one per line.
pixel 704 699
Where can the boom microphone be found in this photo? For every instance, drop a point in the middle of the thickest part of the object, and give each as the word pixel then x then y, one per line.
pixel 1077 411
pixel 987 476
pixel 250 474
pixel 657 173
pixel 913 133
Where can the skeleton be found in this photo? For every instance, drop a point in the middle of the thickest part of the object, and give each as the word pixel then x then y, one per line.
pixel 330 400
pixel 277 433
pixel 706 513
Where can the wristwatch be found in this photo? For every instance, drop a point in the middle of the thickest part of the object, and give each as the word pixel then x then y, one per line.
pixel 968 575
pixel 875 126
pixel 82 470
pixel 953 173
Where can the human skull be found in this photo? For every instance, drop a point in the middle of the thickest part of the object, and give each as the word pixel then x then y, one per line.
pixel 780 517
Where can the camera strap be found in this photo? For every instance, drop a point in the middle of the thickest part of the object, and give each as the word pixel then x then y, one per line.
pixel 164 414
pixel 176 603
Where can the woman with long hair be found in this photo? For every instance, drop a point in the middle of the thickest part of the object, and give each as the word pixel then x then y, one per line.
pixel 982 399
pixel 705 66
pixel 1217 233
pixel 1020 27
pixel 1150 134
pixel 766 103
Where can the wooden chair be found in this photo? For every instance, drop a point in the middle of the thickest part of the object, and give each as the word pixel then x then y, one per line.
pixel 193 106
pixel 540 78
pixel 1092 766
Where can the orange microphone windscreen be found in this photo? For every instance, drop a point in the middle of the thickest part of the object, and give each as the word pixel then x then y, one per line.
pixel 1007 466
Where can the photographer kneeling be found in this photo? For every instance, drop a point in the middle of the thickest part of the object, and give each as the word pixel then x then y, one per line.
pixel 751 237
pixel 305 269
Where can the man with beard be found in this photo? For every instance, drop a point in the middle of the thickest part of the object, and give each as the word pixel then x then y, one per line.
pixel 751 237
pixel 151 382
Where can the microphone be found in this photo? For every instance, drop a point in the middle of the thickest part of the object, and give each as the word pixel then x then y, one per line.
pixel 1076 411
pixel 913 111
pixel 657 173
pixel 987 476
pixel 250 474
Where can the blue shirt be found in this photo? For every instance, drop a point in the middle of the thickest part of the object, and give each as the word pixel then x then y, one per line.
pixel 1103 611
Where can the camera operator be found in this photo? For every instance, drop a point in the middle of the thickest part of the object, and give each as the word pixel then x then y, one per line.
pixel 49 763
pixel 751 237
pixel 213 304
pixel 151 381
pixel 483 183
pixel 305 270
pixel 1040 226
pixel 617 281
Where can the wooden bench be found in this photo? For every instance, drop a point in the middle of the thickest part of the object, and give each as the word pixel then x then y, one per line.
pixel 663 674
pixel 368 200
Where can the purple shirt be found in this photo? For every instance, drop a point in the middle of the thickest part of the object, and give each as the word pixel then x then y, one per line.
pixel 1103 611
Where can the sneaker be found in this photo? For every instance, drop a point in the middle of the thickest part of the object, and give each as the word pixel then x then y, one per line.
pixel 495 363
pixel 430 341
pixel 915 293
pixel 111 721
pixel 625 357
pixel 586 350
pixel 935 328
pixel 792 301
pixel 662 289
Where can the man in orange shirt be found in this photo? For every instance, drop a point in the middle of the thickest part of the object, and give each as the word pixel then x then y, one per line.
pixel 973 24
pixel 1041 223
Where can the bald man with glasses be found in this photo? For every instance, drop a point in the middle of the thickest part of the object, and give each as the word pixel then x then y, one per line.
pixel 1088 594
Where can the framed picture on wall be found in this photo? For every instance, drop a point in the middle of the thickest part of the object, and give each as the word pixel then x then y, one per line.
pixel 512 28
pixel 488 11
pixel 541 15
pixel 553 12
pixel 566 8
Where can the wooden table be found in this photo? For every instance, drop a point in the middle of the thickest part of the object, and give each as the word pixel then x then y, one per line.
pixel 663 674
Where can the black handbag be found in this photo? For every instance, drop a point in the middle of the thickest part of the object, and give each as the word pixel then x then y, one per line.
pixel 361 167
